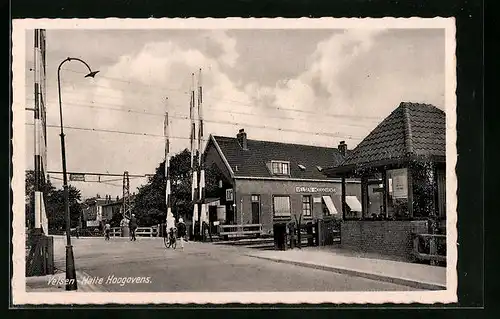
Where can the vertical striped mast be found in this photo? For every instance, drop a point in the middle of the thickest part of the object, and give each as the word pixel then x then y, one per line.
pixel 40 141
pixel 170 221
pixel 194 179
pixel 200 154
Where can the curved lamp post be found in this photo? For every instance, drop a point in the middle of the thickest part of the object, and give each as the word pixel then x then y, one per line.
pixel 71 283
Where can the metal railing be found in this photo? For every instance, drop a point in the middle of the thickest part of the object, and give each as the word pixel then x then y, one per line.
pixel 140 231
pixel 240 230
pixel 430 247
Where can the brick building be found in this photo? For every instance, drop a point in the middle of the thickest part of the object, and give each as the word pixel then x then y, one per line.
pixel 401 165
pixel 262 182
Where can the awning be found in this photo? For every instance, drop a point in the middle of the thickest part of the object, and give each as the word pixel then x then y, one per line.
pixel 353 203
pixel 329 204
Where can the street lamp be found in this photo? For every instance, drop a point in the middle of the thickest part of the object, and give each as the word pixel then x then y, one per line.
pixel 71 283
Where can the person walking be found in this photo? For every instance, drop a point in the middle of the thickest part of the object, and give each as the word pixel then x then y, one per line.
pixel 132 227
pixel 181 231
pixel 107 230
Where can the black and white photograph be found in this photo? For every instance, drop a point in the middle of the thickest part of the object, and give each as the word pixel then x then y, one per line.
pixel 234 161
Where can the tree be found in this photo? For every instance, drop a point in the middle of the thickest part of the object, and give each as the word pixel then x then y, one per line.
pixel 54 203
pixel 55 207
pixel 149 204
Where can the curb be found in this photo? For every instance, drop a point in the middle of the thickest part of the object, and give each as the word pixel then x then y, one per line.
pixel 395 280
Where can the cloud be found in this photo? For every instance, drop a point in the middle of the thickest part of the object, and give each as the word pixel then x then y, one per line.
pixel 361 73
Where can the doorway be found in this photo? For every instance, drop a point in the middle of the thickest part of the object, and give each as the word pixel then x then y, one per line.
pixel 255 209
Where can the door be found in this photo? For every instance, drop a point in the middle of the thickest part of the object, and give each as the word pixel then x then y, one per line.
pixel 255 209
pixel 212 217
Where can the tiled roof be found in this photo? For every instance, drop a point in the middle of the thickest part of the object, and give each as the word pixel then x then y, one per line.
pixel 412 130
pixel 254 161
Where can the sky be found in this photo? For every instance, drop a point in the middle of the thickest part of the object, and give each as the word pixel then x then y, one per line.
pixel 305 86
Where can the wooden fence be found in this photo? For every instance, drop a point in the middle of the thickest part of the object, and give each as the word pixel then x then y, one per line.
pixel 430 247
pixel 40 258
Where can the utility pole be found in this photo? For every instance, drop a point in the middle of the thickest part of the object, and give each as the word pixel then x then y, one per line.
pixel 126 196
pixel 200 155
pixel 170 221
pixel 194 180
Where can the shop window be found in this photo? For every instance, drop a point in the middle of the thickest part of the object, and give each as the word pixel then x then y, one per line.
pixel 281 206
pixel 374 201
pixel 353 207
pixel 397 194
pixel 306 206
pixel 424 190
pixel 280 168
pixel 328 206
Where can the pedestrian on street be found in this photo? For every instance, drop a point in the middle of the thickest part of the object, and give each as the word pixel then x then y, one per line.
pixel 132 227
pixel 181 231
pixel 107 230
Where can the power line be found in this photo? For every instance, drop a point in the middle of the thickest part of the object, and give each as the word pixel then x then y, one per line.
pixel 217 122
pixel 132 82
pixel 109 131
pixel 144 112
pixel 230 101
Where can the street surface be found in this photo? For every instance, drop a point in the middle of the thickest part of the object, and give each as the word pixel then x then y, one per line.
pixel 200 267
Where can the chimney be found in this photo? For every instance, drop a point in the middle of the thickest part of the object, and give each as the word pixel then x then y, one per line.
pixel 342 148
pixel 242 139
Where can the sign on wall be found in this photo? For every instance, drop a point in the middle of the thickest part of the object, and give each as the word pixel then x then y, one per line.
pixel 307 189
pixel 92 223
pixel 229 195
pixel 399 183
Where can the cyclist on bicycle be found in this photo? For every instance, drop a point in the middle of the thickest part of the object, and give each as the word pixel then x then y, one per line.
pixel 171 237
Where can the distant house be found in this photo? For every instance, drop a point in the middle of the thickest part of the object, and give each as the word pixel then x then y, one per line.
pixel 99 210
pixel 401 164
pixel 263 182
pixel 92 211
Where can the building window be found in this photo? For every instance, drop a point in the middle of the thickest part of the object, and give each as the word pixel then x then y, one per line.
pixel 375 201
pixel 280 168
pixel 424 190
pixel 281 206
pixel 255 198
pixel 397 194
pixel 306 206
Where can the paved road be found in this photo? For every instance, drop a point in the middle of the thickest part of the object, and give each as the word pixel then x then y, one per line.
pixel 200 267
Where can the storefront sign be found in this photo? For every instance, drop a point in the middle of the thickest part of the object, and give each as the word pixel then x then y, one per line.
pixel 307 189
pixel 229 195
pixel 399 183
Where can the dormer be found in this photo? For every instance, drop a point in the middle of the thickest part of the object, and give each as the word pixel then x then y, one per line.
pixel 280 168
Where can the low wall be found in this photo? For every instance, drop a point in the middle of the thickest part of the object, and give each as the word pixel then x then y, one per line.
pixel 391 238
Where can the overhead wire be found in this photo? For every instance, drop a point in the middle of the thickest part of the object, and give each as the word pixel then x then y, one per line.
pixel 103 105
pixel 186 138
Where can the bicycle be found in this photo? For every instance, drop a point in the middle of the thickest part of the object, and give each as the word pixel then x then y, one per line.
pixel 169 239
